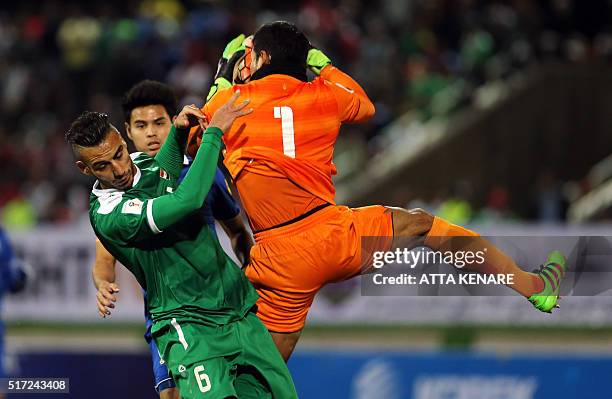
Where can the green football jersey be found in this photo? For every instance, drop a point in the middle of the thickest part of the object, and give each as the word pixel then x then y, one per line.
pixel 183 269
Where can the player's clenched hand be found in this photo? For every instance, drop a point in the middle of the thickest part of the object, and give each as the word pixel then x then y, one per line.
pixel 227 114
pixel 190 116
pixel 105 298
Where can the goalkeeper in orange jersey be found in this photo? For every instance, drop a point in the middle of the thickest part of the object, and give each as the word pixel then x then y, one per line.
pixel 280 157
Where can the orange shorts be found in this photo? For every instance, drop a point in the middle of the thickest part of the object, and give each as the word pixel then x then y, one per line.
pixel 290 264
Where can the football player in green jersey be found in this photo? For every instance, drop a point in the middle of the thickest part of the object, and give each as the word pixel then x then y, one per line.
pixel 201 303
pixel 149 108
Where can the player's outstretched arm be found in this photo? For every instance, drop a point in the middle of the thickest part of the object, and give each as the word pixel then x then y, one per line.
pixel 169 209
pixel 354 105
pixel 170 156
pixel 103 274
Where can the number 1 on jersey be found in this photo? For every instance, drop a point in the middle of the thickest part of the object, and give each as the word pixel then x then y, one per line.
pixel 285 114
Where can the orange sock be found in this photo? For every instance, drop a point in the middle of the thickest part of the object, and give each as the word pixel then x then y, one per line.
pixel 440 237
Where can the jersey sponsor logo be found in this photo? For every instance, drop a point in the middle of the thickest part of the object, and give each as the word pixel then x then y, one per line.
pixel 133 206
pixel 163 174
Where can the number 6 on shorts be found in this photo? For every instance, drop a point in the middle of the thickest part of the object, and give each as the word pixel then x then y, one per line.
pixel 202 377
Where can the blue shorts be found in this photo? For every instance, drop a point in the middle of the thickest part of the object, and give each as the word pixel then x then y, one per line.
pixel 160 371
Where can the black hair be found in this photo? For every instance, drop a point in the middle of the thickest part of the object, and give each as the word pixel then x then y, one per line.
pixel 149 92
pixel 283 42
pixel 88 130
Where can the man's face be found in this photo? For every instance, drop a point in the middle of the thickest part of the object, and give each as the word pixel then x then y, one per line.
pixel 258 59
pixel 242 70
pixel 148 128
pixel 109 162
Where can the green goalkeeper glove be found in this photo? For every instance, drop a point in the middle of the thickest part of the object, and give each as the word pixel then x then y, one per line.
pixel 232 53
pixel 219 84
pixel 236 44
pixel 316 60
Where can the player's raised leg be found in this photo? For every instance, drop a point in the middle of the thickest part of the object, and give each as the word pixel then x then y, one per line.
pixel 285 342
pixel 541 288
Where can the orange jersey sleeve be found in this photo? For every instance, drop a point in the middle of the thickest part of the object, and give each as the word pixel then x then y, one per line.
pixel 353 102
pixel 290 136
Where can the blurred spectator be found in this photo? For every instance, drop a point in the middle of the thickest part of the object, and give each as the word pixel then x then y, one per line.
pixel 18 214
pixel 456 208
pixel 550 204
pixel 497 208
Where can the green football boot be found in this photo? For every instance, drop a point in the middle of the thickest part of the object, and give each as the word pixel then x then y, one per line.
pixel 552 272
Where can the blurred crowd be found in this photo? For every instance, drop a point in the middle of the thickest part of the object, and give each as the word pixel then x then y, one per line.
pixel 58 58
pixel 548 203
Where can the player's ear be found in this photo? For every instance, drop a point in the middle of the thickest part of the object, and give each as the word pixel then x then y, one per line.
pixel 83 168
pixel 265 57
pixel 128 130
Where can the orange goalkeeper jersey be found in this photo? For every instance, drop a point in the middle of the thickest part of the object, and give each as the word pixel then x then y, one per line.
pixel 281 155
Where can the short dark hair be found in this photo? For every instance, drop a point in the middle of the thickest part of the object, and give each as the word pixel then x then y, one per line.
pixel 149 92
pixel 283 42
pixel 88 130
